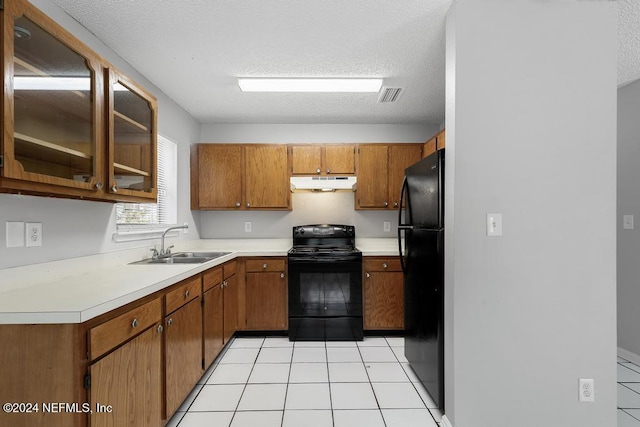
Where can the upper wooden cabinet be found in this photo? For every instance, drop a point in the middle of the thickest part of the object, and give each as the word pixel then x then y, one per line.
pixel 437 142
pixel 380 169
pixel 54 138
pixel 237 177
pixel 132 138
pixel 323 160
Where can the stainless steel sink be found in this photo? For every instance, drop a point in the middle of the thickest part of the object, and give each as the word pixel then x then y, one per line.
pixel 211 255
pixel 184 258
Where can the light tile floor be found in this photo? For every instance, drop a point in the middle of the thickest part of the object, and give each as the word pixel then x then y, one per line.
pixel 628 393
pixel 274 382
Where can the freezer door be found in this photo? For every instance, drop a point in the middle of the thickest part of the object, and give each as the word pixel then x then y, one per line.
pixel 424 192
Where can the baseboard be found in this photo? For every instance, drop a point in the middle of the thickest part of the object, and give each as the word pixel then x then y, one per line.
pixel 445 422
pixel 630 356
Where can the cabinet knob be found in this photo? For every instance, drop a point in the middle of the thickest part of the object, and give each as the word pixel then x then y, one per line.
pixel 248 204
pixel 170 321
pixel 186 294
pixel 395 204
pixel 225 284
pixel 264 265
pixel 282 275
pixel 114 188
pixel 386 204
pixel 328 170
pixel 237 204
pixel 98 185
pixel 384 265
pixel 159 329
pixel 367 275
pixel 318 170
pixel 134 324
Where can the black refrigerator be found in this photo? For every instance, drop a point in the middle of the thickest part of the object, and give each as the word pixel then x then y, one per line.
pixel 421 244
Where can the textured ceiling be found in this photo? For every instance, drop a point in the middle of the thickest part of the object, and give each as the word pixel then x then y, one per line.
pixel 193 50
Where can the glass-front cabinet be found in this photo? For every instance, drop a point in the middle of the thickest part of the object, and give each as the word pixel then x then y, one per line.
pixel 72 125
pixel 132 138
pixel 52 103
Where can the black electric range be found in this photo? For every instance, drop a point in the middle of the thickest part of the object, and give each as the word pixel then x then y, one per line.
pixel 325 284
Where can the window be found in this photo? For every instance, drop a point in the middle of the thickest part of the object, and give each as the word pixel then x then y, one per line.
pixel 136 216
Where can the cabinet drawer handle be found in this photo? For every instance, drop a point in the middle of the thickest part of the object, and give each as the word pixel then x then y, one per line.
pixel 367 275
pixel 282 275
pixel 318 170
pixel 99 185
pixel 386 204
pixel 248 204
pixel 114 188
pixel 264 265
pixel 186 294
pixel 160 329
pixel 384 265
pixel 237 204
pixel 134 324
pixel 170 321
pixel 328 170
pixel 224 284
pixel 395 204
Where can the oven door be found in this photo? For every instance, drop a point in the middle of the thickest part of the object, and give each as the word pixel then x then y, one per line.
pixel 325 299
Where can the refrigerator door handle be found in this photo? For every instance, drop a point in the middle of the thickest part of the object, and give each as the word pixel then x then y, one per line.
pixel 402 226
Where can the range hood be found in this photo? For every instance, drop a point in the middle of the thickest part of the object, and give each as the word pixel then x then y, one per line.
pixel 323 183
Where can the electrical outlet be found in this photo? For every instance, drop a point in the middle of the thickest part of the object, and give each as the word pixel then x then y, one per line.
pixel 587 393
pixel 494 224
pixel 34 234
pixel 247 227
pixel 627 222
pixel 386 226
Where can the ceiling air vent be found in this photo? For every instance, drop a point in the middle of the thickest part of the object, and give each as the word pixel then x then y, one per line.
pixel 389 94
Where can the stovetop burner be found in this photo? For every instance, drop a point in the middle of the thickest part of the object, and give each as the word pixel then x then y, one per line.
pixel 323 240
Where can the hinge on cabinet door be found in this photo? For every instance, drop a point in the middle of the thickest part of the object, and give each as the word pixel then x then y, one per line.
pixel 87 378
pixel 203 367
pixel 1 157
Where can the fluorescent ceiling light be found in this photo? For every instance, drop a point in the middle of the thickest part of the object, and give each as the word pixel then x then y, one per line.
pixel 56 83
pixel 309 85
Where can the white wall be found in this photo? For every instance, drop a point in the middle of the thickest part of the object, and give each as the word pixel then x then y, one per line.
pixel 531 125
pixel 629 204
pixel 308 208
pixel 74 228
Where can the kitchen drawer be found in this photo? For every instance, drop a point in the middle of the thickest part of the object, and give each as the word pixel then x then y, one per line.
pixel 188 290
pixel 382 264
pixel 257 265
pixel 114 332
pixel 211 278
pixel 230 269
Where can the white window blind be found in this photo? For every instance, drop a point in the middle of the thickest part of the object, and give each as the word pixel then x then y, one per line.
pixel 166 210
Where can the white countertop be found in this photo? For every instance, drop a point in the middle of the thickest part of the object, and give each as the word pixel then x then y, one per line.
pixel 79 289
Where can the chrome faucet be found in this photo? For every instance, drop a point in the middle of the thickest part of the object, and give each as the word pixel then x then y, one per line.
pixel 166 252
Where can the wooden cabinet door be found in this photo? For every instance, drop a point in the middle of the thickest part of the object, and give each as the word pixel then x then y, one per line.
pixel 339 160
pixel 266 301
pixel 219 177
pixel 267 177
pixel 383 300
pixel 212 323
pixel 429 147
pixel 183 353
pixel 306 160
pixel 230 307
pixel 130 380
pixel 373 184
pixel 400 157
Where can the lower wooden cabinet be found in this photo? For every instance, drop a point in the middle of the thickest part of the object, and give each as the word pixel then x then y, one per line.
pixel 183 352
pixel 126 385
pixel 212 314
pixel 230 307
pixel 383 293
pixel 266 294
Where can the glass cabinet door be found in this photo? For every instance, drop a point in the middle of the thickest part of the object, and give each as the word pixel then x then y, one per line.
pixel 52 112
pixel 132 139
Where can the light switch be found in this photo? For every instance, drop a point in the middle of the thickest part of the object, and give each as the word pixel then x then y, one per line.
pixel 627 222
pixel 494 224
pixel 15 234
